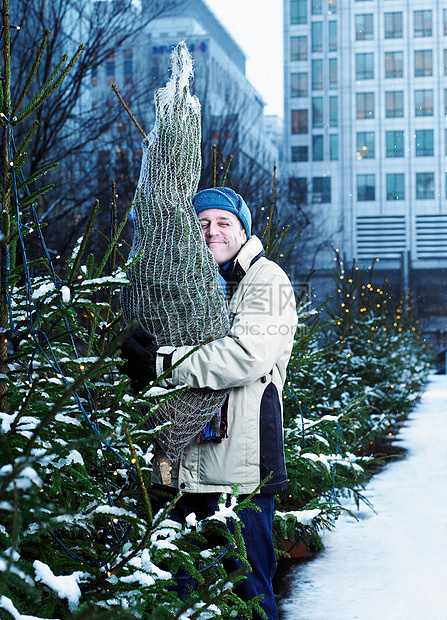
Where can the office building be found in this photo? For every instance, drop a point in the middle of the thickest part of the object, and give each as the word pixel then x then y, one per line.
pixel 232 109
pixel 366 138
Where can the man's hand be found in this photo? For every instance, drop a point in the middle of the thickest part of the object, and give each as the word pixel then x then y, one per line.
pixel 140 351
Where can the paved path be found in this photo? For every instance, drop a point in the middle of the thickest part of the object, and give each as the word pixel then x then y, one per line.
pixel 391 565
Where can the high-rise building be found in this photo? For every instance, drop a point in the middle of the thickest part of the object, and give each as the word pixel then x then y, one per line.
pixel 232 109
pixel 366 138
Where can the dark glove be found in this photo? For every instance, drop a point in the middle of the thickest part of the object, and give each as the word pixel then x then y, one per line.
pixel 140 352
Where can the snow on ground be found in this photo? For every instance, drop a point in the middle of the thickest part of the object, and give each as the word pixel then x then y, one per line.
pixel 391 565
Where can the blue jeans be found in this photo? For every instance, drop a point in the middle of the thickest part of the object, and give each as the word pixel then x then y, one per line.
pixel 257 535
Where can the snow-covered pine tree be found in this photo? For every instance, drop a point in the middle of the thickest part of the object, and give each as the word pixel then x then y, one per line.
pixel 351 379
pixel 377 348
pixel 77 534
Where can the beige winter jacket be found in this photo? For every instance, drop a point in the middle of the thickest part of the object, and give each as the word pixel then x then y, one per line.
pixel 252 361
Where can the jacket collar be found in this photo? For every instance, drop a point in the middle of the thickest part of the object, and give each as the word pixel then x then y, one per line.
pixel 249 253
pixel 250 250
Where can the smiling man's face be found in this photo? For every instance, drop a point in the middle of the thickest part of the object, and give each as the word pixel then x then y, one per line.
pixel 223 232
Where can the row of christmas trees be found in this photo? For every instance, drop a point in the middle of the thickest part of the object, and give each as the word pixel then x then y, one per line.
pixel 357 369
pixel 78 537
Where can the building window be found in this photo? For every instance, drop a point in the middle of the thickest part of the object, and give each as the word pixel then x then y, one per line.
pixel 300 153
pixel 333 111
pixel 121 164
pixel 317 111
pixel 365 105
pixel 445 101
pixel 445 62
pixel 333 36
pixel 366 187
pixel 394 64
pixel 317 75
pixel 110 68
pixel 321 190
pixel 298 12
pixel 317 148
pixel 425 185
pixel 299 121
pixel 364 66
pixel 333 72
pixel 317 8
pixel 155 70
pixel 298 84
pixel 298 190
pixel 364 26
pixel 104 157
pixel 422 23
pixel 445 21
pixel 298 48
pixel 395 143
pixel 317 37
pixel 365 145
pixel 393 25
pixel 128 66
pixel 423 63
pixel 332 7
pixel 394 103
pixel 395 186
pixel 423 102
pixel 333 146
pixel 424 143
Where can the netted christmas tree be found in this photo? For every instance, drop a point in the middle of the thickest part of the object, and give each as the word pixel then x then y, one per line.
pixel 175 291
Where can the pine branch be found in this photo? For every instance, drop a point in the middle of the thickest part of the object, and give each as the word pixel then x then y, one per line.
pixel 24 406
pixel 147 503
pixel 113 233
pixel 134 462
pixel 33 197
pixel 91 371
pixel 66 71
pixel 50 85
pixel 37 175
pixel 93 324
pixel 33 71
pixel 214 164
pixel 39 97
pixel 27 139
pixel 115 90
pixel 5 250
pixel 18 163
pixel 113 242
pixel 227 167
pixel 6 59
pixel 71 271
pixel 143 543
pixel 2 102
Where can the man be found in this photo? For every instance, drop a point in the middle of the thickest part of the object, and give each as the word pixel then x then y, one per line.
pixel 251 362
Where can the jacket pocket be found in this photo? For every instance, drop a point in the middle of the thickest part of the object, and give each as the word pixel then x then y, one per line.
pixel 272 441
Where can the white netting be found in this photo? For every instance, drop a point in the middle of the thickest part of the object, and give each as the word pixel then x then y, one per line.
pixel 175 291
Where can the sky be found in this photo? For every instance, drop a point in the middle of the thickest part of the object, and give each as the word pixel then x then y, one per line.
pixel 257 27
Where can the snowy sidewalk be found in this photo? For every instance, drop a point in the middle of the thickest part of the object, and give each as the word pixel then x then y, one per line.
pixel 391 565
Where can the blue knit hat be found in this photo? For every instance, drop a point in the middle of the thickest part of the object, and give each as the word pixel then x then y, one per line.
pixel 226 199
